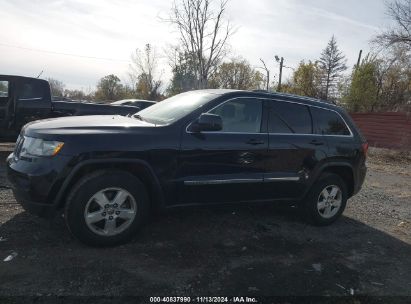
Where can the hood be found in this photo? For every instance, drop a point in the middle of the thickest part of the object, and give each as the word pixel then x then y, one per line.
pixel 83 124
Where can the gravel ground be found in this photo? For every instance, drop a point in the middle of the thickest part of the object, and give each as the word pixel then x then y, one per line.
pixel 241 250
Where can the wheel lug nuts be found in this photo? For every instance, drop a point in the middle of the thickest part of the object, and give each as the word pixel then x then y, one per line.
pixel 110 218
pixel 117 212
pixel 115 206
pixel 103 214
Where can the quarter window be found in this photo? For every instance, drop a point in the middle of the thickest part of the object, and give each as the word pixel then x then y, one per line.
pixel 328 122
pixel 4 88
pixel 286 117
pixel 241 115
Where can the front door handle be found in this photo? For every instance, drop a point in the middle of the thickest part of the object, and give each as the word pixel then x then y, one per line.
pixel 317 143
pixel 255 142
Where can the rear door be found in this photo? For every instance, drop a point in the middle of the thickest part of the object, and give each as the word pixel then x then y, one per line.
pixel 333 127
pixel 228 165
pixel 293 150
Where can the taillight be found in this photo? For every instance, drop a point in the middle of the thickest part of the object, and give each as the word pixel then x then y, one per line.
pixel 365 147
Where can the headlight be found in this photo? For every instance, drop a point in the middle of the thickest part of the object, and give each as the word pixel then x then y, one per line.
pixel 40 147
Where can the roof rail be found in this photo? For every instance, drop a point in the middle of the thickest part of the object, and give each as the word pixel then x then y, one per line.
pixel 280 94
pixel 260 91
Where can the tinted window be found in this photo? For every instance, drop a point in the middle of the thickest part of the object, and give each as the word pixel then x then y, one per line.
pixel 328 122
pixel 31 91
pixel 241 115
pixel 277 125
pixel 288 117
pixel 4 88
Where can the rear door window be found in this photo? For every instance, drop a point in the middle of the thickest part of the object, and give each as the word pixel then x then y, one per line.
pixel 286 117
pixel 328 122
pixel 4 88
pixel 32 90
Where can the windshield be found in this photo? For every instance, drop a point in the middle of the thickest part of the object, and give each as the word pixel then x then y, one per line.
pixel 172 109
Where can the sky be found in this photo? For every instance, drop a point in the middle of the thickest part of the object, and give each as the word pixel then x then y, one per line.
pixel 80 41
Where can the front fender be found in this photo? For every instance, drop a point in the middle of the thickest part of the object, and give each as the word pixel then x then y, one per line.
pixel 140 166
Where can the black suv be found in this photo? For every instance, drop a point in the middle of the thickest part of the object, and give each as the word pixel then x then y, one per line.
pixel 105 173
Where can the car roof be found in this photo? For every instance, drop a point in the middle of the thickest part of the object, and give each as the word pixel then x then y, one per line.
pixel 20 77
pixel 275 95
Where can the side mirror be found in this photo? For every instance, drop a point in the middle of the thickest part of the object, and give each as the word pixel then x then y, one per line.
pixel 207 122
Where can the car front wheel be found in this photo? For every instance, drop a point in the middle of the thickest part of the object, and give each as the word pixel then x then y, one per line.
pixel 106 208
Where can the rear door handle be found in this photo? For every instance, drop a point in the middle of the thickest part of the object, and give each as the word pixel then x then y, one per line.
pixel 255 142
pixel 317 143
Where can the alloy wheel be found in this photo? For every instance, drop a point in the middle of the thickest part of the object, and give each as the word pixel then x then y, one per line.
pixel 329 201
pixel 110 211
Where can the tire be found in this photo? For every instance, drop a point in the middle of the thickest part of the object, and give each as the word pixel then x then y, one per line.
pixel 317 210
pixel 115 204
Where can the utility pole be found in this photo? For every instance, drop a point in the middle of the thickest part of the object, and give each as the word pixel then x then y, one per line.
pixel 281 61
pixel 281 74
pixel 268 74
pixel 359 60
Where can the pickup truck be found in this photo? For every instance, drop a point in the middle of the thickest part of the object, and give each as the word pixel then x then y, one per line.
pixel 25 99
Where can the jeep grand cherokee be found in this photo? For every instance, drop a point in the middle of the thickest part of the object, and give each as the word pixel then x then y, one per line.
pixel 105 173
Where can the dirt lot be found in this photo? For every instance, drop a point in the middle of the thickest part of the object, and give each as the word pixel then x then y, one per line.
pixel 243 250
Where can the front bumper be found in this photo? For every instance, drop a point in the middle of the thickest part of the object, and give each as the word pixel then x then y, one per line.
pixel 39 209
pixel 35 182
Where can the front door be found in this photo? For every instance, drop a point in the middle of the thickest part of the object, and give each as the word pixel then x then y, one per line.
pixel 228 165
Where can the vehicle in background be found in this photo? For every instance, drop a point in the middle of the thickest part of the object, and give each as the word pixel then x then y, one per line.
pixel 105 173
pixel 138 103
pixel 25 99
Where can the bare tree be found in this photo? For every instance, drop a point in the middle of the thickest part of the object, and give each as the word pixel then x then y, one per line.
pixel 144 73
pixel 400 12
pixel 332 63
pixel 204 33
pixel 57 87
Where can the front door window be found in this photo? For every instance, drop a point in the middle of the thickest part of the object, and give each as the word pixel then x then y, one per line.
pixel 241 115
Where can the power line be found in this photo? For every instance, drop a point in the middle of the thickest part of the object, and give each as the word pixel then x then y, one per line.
pixel 59 53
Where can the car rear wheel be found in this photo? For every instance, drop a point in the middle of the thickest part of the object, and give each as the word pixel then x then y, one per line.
pixel 106 208
pixel 326 201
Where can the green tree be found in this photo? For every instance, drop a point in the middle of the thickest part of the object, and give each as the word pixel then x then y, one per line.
pixel 184 73
pixel 109 88
pixel 380 83
pixel 237 74
pixel 363 92
pixel 306 80
pixel 332 63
